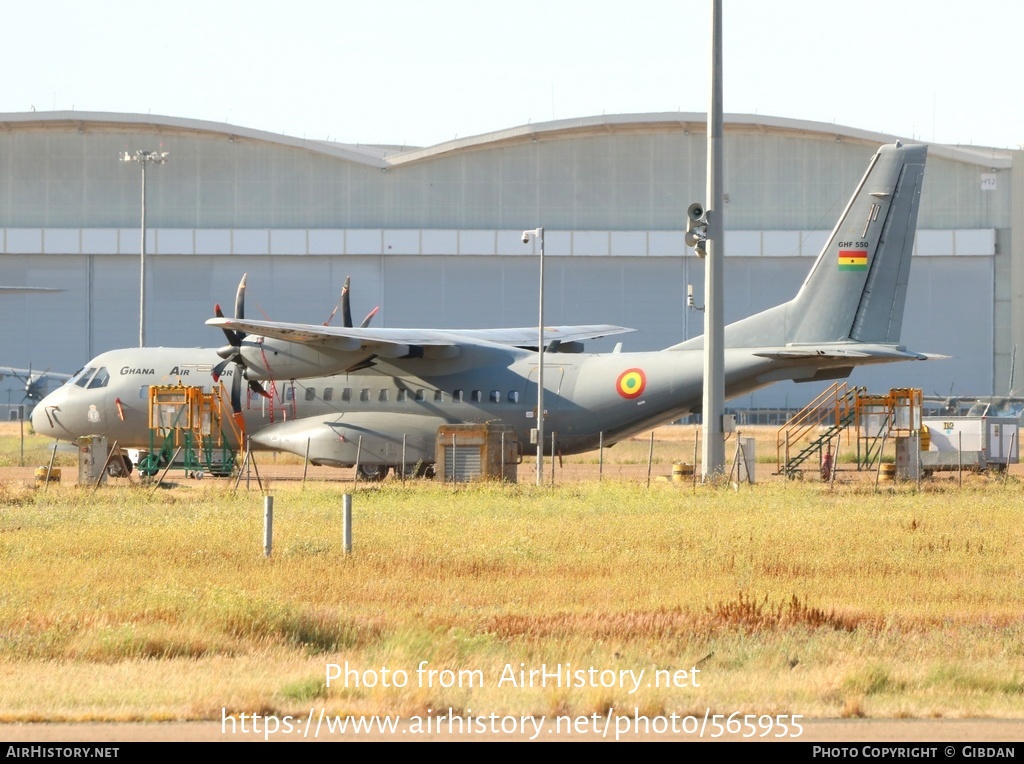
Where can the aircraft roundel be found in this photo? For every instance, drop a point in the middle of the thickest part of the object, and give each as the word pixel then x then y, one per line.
pixel 631 383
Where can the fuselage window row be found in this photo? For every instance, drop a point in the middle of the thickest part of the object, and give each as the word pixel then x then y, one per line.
pixel 403 395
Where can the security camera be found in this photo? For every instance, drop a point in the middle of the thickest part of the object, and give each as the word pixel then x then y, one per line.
pixel 526 238
pixel 690 303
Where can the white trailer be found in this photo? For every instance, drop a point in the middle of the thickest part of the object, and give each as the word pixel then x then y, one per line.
pixel 973 442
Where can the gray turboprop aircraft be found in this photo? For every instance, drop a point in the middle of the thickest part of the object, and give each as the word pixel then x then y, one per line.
pixel 342 390
pixel 36 385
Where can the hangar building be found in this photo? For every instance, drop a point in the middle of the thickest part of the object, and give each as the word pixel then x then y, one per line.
pixel 434 235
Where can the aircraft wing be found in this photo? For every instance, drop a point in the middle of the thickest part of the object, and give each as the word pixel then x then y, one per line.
pixel 527 336
pixel 380 340
pixel 10 371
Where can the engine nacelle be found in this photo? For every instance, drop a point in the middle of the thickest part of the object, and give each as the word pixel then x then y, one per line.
pixel 267 358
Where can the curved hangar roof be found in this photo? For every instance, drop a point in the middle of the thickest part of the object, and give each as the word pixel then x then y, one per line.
pixel 392 156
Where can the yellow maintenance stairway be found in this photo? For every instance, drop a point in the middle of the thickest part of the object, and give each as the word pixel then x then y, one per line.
pixel 817 429
pixel 186 432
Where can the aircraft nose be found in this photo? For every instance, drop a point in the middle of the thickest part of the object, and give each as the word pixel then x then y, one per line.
pixel 42 423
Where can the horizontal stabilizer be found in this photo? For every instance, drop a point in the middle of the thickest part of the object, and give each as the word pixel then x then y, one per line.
pixel 855 352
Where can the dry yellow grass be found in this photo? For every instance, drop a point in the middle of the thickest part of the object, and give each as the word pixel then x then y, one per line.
pixel 789 598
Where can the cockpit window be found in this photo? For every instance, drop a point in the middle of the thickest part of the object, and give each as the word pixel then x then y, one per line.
pixel 91 378
pixel 1014 408
pixel 1002 407
pixel 99 379
pixel 82 378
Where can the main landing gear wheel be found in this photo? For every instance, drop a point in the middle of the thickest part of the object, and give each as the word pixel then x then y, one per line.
pixel 372 473
pixel 120 466
pixel 418 470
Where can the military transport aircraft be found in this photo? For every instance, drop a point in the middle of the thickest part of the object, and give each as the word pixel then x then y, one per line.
pixel 975 405
pixel 333 392
pixel 35 385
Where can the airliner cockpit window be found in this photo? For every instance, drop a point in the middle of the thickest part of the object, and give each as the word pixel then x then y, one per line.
pixel 82 378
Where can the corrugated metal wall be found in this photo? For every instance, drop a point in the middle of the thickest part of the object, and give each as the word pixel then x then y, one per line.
pixel 435 241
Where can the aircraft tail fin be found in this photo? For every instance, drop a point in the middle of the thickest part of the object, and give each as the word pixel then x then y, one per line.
pixel 857 288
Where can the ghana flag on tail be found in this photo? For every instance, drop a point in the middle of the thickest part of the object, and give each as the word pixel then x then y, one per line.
pixel 853 259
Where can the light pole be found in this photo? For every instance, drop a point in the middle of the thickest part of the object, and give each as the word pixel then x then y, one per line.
pixel 538 233
pixel 143 158
pixel 713 405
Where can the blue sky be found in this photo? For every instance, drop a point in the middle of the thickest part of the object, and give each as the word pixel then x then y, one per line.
pixel 419 73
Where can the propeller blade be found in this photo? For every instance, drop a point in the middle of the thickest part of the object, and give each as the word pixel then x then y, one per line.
pixel 234 338
pixel 219 369
pixel 240 298
pixel 257 388
pixel 346 306
pixel 236 404
pixel 369 318
pixel 231 353
pixel 236 407
pixel 236 394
